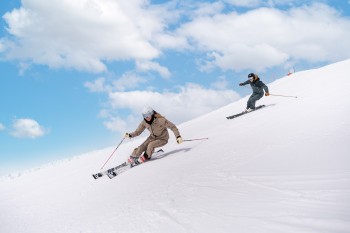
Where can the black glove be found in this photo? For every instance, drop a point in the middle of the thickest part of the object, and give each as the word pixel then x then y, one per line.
pixel 241 84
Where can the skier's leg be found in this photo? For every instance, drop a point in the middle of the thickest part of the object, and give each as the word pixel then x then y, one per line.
pixel 140 149
pixel 136 154
pixel 152 145
pixel 252 100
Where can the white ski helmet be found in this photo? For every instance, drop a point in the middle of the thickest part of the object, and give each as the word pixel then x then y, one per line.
pixel 147 112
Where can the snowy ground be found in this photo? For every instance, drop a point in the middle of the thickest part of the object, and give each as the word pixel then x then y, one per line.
pixel 284 168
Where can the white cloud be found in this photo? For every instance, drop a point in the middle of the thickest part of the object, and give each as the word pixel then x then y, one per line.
pixel 96 86
pixel 266 37
pixel 153 66
pixel 207 8
pixel 168 41
pixel 127 81
pixel 82 34
pixel 27 128
pixel 23 67
pixel 270 3
pixel 189 102
pixel 85 34
pixel 2 127
pixel 259 56
pixel 244 3
pixel 221 84
pixel 2 45
pixel 116 124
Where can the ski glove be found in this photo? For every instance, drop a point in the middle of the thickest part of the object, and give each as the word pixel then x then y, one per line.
pixel 127 135
pixel 267 94
pixel 179 140
pixel 241 84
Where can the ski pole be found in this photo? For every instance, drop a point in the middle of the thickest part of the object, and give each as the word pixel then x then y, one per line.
pixel 112 154
pixel 285 96
pixel 188 140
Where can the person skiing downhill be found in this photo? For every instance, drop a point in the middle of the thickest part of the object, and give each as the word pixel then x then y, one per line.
pixel 159 136
pixel 258 90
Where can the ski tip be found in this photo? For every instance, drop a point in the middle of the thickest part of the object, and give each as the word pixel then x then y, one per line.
pixel 96 176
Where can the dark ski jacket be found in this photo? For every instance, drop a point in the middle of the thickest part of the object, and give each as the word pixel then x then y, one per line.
pixel 258 86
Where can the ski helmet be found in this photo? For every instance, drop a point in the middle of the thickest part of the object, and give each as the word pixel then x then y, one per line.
pixel 251 75
pixel 147 112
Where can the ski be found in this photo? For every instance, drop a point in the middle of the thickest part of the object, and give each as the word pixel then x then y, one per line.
pixel 114 171
pixel 128 166
pixel 243 113
pixel 125 166
pixel 111 170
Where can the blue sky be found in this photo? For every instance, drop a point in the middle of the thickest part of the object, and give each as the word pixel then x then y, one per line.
pixel 75 75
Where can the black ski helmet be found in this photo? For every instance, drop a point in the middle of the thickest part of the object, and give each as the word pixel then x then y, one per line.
pixel 251 75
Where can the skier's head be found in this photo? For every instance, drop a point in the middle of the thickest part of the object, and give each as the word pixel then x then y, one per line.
pixel 252 76
pixel 147 112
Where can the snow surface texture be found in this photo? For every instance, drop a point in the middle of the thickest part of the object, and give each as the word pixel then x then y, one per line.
pixel 284 168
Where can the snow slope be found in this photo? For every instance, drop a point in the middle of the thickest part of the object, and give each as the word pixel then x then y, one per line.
pixel 284 168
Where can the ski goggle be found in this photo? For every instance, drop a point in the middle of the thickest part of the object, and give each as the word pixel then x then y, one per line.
pixel 148 114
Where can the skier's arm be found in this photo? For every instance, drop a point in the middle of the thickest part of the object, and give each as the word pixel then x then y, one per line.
pixel 244 83
pixel 172 127
pixel 138 131
pixel 266 89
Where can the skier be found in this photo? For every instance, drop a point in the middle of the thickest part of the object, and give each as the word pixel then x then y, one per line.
pixel 157 125
pixel 258 90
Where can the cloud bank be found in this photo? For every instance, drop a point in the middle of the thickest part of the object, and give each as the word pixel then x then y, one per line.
pixel 82 34
pixel 87 34
pixel 262 38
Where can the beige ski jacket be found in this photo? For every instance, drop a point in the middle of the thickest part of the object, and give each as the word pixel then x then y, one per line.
pixel 158 128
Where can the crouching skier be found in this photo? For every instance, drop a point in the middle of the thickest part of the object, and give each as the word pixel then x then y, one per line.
pixel 159 136
pixel 258 90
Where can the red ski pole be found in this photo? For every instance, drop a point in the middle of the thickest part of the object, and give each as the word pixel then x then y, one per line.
pixel 112 154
